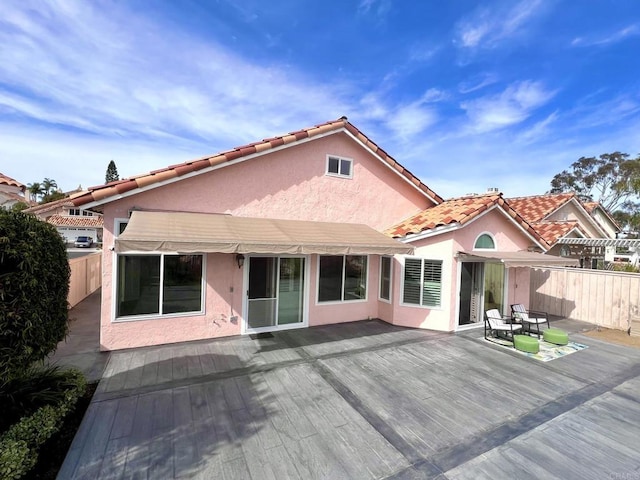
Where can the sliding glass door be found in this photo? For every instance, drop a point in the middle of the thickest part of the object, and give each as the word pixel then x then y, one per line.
pixel 275 297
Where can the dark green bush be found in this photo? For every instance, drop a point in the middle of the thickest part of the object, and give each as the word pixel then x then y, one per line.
pixel 34 284
pixel 36 387
pixel 20 444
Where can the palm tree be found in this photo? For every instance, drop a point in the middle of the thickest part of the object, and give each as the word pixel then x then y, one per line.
pixel 48 184
pixel 35 190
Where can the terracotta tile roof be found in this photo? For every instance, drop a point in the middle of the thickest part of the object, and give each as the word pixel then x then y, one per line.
pixel 458 211
pixel 537 207
pixel 590 206
pixel 4 180
pixel 554 231
pixel 47 207
pixel 102 193
pixel 87 222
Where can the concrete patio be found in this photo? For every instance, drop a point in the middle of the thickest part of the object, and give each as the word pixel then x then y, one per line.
pixel 362 400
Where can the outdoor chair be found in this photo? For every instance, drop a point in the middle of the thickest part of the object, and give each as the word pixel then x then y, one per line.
pixel 498 326
pixel 529 318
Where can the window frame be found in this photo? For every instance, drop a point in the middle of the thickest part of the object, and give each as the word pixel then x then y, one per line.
pixel 423 260
pixel 338 174
pixel 380 278
pixel 342 300
pixel 487 234
pixel 160 315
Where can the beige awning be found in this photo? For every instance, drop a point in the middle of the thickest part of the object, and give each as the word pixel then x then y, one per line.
pixel 204 232
pixel 519 259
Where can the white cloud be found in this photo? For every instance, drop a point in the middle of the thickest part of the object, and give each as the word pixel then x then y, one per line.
pixel 477 82
pixel 510 107
pixel 487 28
pixel 105 73
pixel 615 37
pixel 410 120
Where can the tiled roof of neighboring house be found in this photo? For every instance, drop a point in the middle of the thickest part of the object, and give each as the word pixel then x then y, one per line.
pixel 102 193
pixel 553 231
pixel 64 221
pixel 537 207
pixel 458 211
pixel 50 206
pixel 590 206
pixel 4 180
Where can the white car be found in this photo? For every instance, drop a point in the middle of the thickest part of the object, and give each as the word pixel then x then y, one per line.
pixel 82 242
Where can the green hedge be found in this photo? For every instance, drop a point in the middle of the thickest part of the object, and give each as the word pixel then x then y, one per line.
pixel 20 444
pixel 34 284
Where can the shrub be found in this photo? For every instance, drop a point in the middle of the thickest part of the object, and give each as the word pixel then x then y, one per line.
pixel 34 284
pixel 34 388
pixel 20 444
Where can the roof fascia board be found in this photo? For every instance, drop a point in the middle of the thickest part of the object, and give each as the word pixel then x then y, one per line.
pixel 512 220
pixel 430 233
pixel 386 164
pixel 136 191
pixel 581 208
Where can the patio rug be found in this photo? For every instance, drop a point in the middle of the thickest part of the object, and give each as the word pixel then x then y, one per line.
pixel 548 351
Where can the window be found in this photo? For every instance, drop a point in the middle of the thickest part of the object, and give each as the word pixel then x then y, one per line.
pixel 339 167
pixel 159 284
pixel 385 278
pixel 484 242
pixel 422 283
pixel 342 278
pixel 120 225
pixel 87 214
pixel 74 212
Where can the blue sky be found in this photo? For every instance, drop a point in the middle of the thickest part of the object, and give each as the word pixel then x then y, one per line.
pixel 466 94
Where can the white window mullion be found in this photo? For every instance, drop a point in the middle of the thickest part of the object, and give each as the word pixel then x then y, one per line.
pixel 161 292
pixel 344 270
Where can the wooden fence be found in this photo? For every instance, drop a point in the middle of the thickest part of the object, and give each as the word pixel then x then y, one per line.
pixel 86 277
pixel 601 297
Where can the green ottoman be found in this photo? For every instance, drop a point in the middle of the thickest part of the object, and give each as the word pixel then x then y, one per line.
pixel 555 335
pixel 525 343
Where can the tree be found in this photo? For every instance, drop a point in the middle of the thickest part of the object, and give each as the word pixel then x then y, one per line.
pixel 48 185
pixel 19 206
pixel 34 284
pixel 112 173
pixel 35 190
pixel 53 196
pixel 611 179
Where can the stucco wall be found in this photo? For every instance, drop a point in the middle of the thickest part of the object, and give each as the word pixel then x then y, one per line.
pixel 508 237
pixel 570 211
pixel 288 184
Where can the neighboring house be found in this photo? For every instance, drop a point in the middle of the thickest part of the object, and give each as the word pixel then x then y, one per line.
pixel 564 216
pixel 287 233
pixel 70 221
pixel 11 192
pixel 603 217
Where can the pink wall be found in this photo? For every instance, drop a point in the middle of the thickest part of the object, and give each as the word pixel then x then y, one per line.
pixel 291 184
pixel 326 313
pixel 288 184
pixel 220 306
pixel 444 247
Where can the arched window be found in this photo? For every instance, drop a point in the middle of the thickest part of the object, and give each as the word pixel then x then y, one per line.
pixel 485 242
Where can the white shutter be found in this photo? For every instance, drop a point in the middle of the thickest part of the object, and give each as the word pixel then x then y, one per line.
pixel 432 283
pixel 411 283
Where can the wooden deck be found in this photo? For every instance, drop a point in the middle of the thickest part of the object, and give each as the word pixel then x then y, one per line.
pixel 361 400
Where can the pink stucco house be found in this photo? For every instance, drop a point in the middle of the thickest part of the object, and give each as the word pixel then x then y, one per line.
pixel 315 227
